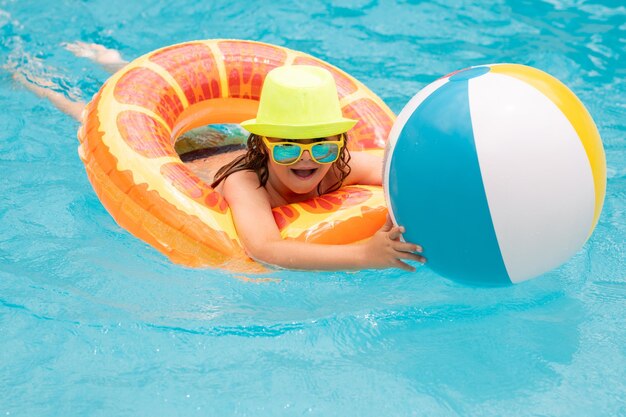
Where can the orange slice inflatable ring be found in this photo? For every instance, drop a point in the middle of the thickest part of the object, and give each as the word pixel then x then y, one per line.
pixel 130 127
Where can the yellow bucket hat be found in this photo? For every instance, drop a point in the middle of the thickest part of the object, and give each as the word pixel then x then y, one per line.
pixel 299 102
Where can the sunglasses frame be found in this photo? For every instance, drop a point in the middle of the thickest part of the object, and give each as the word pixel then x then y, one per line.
pixel 305 147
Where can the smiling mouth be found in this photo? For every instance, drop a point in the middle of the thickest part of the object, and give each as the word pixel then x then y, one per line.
pixel 304 173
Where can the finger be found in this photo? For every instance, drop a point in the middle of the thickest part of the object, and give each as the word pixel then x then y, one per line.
pixel 80 49
pixel 97 47
pixel 412 256
pixel 396 232
pixel 71 47
pixel 84 45
pixel 404 266
pixel 407 247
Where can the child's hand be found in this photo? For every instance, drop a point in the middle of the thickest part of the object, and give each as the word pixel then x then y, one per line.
pixel 109 59
pixel 385 249
pixel 94 51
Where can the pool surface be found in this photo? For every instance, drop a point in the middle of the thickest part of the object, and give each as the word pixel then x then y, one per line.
pixel 94 322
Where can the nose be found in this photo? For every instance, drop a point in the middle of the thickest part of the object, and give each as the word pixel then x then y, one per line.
pixel 306 156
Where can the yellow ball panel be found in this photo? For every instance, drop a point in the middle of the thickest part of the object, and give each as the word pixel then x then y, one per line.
pixel 577 115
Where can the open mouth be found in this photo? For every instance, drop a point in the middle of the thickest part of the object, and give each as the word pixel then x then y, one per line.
pixel 304 173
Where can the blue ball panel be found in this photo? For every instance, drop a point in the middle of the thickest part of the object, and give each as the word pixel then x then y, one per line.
pixel 435 180
pixel 469 73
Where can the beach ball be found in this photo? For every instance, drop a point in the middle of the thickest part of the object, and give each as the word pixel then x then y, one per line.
pixel 498 171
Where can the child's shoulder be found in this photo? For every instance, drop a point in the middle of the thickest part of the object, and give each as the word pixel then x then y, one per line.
pixel 365 169
pixel 243 189
pixel 244 178
pixel 239 180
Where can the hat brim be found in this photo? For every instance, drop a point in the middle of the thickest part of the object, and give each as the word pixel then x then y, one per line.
pixel 299 131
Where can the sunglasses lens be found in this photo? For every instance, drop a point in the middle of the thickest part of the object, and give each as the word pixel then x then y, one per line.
pixel 286 154
pixel 325 153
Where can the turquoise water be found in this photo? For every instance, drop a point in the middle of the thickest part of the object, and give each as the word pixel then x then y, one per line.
pixel 95 322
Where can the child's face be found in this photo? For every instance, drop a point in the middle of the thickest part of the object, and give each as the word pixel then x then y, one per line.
pixel 303 176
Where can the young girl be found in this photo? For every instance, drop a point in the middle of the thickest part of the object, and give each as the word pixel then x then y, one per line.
pixel 296 151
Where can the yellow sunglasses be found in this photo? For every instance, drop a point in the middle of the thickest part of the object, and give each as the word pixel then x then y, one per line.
pixel 288 153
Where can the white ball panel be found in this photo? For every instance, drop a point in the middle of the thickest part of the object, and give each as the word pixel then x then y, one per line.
pixel 536 174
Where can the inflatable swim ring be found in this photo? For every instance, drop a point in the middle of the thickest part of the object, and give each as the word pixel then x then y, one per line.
pixel 130 127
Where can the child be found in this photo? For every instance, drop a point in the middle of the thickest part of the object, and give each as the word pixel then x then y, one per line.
pixel 297 151
pixel 110 60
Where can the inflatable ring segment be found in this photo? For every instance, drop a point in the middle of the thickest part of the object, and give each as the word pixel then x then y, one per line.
pixel 127 145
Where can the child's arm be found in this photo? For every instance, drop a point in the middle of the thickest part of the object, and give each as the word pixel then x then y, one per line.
pixel 261 238
pixel 366 169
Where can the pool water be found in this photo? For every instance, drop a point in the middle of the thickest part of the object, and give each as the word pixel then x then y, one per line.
pixel 95 322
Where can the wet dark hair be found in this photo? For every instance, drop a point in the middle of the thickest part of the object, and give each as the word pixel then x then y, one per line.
pixel 256 158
